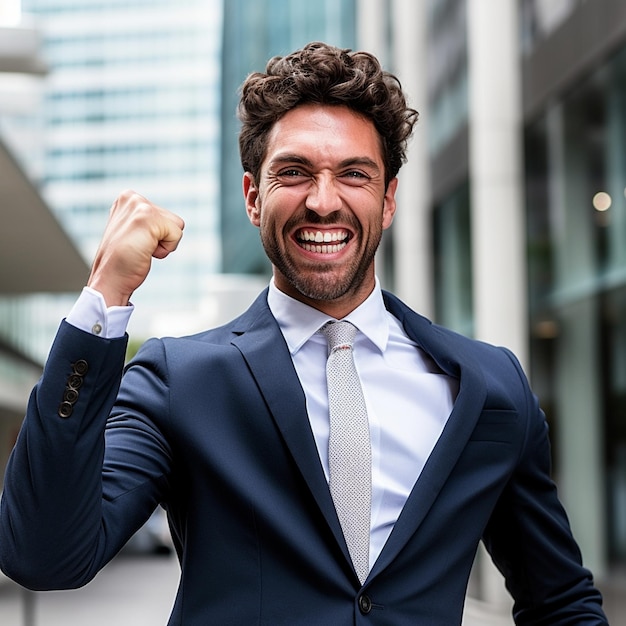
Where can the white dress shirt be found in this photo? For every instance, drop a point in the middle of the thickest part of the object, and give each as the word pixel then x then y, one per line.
pixel 408 398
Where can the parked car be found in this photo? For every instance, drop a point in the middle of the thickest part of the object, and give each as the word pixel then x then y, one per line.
pixel 153 537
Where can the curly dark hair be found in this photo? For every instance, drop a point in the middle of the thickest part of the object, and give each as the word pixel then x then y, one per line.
pixel 324 74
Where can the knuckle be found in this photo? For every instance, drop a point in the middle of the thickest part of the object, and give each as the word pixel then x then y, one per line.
pixel 126 195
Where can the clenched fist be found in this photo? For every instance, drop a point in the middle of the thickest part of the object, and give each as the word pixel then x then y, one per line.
pixel 137 231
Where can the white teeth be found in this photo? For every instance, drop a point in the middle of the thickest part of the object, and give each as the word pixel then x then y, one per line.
pixel 325 249
pixel 320 237
pixel 318 241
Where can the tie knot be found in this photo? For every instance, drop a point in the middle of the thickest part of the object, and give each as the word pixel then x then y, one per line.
pixel 339 334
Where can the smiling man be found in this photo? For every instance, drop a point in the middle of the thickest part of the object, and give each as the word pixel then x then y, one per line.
pixel 330 457
pixel 322 182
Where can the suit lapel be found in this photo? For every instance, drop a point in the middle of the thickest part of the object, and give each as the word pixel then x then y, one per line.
pixel 263 347
pixel 258 336
pixel 466 411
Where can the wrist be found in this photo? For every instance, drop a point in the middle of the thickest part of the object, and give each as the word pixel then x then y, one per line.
pixel 112 297
pixel 90 312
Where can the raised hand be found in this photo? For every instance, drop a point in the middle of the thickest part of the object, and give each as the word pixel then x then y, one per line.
pixel 137 231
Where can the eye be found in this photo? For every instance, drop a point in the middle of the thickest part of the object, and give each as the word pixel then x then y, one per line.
pixel 290 172
pixel 355 177
pixel 290 176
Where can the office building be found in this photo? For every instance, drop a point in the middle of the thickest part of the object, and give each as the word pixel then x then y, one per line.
pixel 522 193
pixel 132 101
pixel 574 96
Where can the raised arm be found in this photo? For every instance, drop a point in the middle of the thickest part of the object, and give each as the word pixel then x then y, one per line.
pixel 58 526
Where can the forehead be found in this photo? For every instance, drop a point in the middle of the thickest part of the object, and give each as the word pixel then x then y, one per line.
pixel 326 131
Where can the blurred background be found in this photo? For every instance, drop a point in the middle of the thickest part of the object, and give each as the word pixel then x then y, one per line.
pixel 512 207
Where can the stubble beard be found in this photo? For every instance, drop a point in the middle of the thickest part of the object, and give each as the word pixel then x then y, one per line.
pixel 321 281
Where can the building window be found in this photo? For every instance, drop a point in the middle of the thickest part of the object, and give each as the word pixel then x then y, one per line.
pixel 576 197
pixel 453 262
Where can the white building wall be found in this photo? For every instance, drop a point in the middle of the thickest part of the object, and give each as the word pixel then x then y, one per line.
pixel 495 172
pixel 412 230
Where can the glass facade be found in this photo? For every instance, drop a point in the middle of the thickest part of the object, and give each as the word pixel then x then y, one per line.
pixel 453 262
pixel 447 72
pixel 448 110
pixel 574 170
pixel 576 199
pixel 540 18
pixel 132 101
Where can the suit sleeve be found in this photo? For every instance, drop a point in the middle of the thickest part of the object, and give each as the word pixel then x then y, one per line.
pixel 530 540
pixel 66 510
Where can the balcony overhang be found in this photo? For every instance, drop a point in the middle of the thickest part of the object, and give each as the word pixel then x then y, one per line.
pixel 19 48
pixel 36 254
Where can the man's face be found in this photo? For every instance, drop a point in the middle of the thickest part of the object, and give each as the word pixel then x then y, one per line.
pixel 321 205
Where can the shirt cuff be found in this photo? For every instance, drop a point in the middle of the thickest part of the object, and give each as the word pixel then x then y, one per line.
pixel 91 314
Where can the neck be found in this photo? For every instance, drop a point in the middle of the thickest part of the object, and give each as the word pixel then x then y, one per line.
pixel 337 308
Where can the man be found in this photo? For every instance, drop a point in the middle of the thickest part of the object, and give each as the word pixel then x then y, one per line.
pixel 233 432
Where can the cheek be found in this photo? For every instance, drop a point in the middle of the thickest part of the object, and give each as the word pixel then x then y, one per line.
pixel 279 207
pixel 267 219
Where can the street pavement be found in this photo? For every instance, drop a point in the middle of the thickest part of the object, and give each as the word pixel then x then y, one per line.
pixel 132 590
pixel 138 590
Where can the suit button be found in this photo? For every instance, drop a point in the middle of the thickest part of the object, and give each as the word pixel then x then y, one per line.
pixel 65 409
pixel 80 367
pixel 75 381
pixel 70 395
pixel 365 604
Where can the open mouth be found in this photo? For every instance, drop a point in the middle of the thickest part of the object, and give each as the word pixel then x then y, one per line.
pixel 326 242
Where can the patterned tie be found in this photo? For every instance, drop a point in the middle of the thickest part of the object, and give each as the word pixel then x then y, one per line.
pixel 349 450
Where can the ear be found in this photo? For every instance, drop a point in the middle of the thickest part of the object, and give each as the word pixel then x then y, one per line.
pixel 251 196
pixel 389 203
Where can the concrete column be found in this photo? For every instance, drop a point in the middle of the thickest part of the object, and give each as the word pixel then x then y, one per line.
pixel 371 34
pixel 405 55
pixel 495 173
pixel 412 230
pixel 495 169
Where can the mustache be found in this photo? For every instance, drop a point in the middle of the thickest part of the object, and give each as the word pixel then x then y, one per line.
pixel 311 217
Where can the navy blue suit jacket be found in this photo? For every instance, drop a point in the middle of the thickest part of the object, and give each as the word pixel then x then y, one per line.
pixel 215 428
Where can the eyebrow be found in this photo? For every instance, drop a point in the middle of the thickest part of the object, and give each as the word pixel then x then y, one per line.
pixel 302 160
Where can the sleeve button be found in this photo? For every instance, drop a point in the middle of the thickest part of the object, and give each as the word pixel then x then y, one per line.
pixel 80 367
pixel 75 381
pixel 70 395
pixel 65 409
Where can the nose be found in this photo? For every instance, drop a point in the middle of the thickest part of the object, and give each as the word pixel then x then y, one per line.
pixel 323 197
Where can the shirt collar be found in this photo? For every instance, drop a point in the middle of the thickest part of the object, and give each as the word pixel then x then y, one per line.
pixel 299 321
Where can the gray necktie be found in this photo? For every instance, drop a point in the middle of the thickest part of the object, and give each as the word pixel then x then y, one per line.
pixel 349 450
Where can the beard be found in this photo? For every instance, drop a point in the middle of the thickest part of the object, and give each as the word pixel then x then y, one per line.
pixel 321 281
